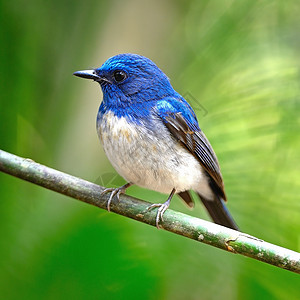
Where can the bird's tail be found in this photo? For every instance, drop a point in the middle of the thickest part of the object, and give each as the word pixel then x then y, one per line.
pixel 219 212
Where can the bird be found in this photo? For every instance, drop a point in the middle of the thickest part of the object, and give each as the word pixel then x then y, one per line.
pixel 152 137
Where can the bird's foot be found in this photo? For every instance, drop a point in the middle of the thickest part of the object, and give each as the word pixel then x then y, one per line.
pixel 115 192
pixel 162 207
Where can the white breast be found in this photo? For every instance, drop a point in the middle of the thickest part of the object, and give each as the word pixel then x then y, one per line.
pixel 150 159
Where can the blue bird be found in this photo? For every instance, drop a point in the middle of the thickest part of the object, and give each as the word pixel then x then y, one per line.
pixel 152 138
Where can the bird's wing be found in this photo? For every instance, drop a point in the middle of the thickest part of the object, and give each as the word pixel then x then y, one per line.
pixel 186 197
pixel 194 140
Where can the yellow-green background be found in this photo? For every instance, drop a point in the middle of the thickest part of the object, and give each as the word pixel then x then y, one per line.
pixel 237 60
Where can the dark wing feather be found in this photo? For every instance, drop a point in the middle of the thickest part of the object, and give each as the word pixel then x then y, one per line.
pixel 196 142
pixel 186 197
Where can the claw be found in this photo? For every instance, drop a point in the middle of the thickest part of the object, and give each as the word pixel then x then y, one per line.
pixel 115 192
pixel 162 207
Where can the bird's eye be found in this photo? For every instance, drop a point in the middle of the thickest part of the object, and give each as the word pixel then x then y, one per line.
pixel 120 76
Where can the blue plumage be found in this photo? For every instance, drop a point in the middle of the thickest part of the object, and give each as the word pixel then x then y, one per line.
pixel 152 137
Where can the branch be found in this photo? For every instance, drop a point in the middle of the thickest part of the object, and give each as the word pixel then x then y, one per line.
pixel 191 227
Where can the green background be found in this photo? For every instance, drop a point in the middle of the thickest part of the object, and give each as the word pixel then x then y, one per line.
pixel 237 62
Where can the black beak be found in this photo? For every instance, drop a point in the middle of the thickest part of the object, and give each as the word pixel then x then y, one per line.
pixel 89 74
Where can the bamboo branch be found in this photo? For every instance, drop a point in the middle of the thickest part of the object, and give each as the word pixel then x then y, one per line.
pixel 191 227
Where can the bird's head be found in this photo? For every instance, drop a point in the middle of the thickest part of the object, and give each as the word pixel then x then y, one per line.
pixel 129 78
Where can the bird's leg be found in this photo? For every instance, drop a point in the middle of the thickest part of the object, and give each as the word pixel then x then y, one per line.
pixel 115 192
pixel 162 207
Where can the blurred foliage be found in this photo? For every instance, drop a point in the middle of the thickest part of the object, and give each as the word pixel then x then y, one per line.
pixel 239 61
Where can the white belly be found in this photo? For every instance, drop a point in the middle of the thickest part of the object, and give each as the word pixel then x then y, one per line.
pixel 153 161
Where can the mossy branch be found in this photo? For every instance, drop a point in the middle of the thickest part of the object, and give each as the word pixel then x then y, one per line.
pixel 191 227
